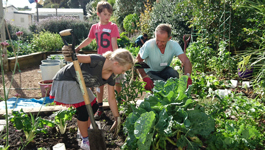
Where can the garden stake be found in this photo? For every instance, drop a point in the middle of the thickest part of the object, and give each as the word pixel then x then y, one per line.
pixel 96 136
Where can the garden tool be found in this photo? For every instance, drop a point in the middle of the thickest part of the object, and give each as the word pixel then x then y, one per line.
pixel 96 136
pixel 185 45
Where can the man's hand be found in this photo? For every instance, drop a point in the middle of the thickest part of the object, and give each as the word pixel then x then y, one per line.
pixel 67 52
pixel 116 126
pixel 149 83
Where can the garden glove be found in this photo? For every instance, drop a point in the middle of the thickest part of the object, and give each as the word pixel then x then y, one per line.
pixel 67 52
pixel 149 83
pixel 116 126
pixel 189 82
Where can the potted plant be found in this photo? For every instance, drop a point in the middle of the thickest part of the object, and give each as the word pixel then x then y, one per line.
pixel 245 69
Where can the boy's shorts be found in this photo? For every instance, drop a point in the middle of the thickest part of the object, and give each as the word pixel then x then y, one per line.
pixel 120 78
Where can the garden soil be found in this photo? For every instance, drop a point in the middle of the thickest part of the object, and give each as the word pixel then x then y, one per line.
pixel 70 139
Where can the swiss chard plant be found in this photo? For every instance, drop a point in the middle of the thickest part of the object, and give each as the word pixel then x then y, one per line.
pixel 28 124
pixel 61 118
pixel 169 115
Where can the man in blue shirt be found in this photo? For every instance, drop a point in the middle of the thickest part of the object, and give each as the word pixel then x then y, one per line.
pixel 141 40
pixel 158 54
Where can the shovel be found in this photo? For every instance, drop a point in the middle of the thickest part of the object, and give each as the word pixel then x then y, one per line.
pixel 96 136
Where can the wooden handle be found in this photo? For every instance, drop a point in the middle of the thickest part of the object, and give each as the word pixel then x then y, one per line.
pixel 81 82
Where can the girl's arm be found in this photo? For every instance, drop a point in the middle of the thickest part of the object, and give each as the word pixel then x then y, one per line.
pixel 83 58
pixel 83 44
pixel 114 43
pixel 112 101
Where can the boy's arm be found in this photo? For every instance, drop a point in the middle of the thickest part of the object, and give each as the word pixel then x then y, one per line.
pixel 83 44
pixel 114 43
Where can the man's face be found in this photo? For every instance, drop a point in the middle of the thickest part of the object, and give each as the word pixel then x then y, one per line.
pixel 161 39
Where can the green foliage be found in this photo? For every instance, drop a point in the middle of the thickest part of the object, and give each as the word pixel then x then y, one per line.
pixel 28 124
pixel 91 47
pixel 46 41
pixel 133 50
pixel 169 114
pixel 123 41
pixel 131 90
pixel 236 120
pixel 199 54
pixel 130 23
pixel 57 24
pixel 125 7
pixel 21 48
pixel 165 12
pixel 61 117
pixel 223 63
pixel 145 17
pixel 13 29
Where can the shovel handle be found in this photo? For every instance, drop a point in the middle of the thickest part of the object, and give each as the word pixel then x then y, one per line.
pixel 81 81
pixel 84 92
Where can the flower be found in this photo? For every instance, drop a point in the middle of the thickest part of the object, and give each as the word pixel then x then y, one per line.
pixel 3 55
pixel 4 44
pixel 19 33
pixel 17 95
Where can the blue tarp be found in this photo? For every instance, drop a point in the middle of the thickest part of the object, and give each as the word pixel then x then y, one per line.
pixel 23 102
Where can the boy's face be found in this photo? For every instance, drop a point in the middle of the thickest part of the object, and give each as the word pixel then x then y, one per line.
pixel 104 16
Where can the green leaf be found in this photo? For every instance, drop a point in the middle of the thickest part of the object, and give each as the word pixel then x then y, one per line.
pixel 201 123
pixel 147 144
pixel 144 125
pixel 182 88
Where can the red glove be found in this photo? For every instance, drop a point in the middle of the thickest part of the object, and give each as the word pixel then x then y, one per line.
pixel 149 83
pixel 189 82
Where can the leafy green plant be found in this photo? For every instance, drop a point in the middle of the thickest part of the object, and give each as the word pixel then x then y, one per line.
pixel 168 116
pixel 61 118
pixel 223 63
pixel 244 64
pixel 133 50
pixel 91 47
pixel 131 90
pixel 28 124
pixel 199 53
pixel 123 41
pixel 46 41
pixel 130 23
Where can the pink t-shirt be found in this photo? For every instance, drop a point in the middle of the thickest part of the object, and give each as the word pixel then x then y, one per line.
pixel 103 35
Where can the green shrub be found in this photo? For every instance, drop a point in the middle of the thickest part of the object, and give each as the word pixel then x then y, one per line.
pixel 27 36
pixel 130 23
pixel 93 46
pixel 165 12
pixel 46 41
pixel 21 48
pixel 57 24
pixel 123 41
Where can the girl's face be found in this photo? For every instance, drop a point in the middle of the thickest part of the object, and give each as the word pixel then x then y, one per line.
pixel 119 69
pixel 104 16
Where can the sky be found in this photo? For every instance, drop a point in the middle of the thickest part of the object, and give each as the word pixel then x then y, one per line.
pixel 19 3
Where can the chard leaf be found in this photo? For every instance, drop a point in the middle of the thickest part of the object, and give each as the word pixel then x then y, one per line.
pixel 145 105
pixel 129 123
pixel 153 100
pixel 147 144
pixel 130 142
pixel 162 122
pixel 201 123
pixel 143 125
pixel 182 88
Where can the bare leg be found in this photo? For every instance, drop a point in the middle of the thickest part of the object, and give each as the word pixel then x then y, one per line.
pixel 83 125
pixel 100 94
